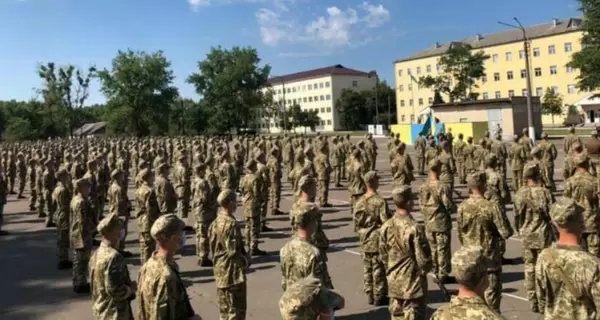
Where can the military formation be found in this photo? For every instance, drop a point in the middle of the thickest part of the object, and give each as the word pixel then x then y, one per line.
pixel 195 185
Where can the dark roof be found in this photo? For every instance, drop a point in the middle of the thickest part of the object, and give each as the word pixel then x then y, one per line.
pixel 90 128
pixel 336 70
pixel 503 37
pixel 487 102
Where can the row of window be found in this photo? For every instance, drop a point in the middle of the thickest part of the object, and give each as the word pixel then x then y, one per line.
pixel 523 73
pixel 316 85
pixel 403 118
pixel 273 125
pixel 290 102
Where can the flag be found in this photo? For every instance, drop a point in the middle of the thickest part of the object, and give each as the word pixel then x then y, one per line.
pixel 426 126
pixel 413 78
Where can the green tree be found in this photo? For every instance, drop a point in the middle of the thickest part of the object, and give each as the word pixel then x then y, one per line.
pixel 588 59
pixel 378 101
pixel 230 82
pixel 140 92
pixel 461 68
pixel 351 106
pixel 552 103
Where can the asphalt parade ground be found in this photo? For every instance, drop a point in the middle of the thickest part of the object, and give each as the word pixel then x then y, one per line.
pixel 33 288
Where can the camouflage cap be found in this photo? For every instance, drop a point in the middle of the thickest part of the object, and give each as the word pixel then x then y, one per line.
pixel 566 211
pixel 81 183
pixel 116 173
pixel 305 181
pixel 476 179
pixel 166 226
pixel 370 177
pixel 225 197
pixel 491 159
pixel 580 159
pixel 470 265
pixel 299 296
pixel 544 135
pixel 536 151
pixel 402 194
pixel 109 224
pixel 61 173
pixel 434 165
pixel 531 170
pixel 305 213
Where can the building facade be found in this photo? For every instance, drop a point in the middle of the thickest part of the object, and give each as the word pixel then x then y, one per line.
pixel 318 90
pixel 551 47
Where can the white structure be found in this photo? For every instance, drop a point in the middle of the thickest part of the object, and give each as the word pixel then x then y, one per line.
pixel 316 89
pixel 590 105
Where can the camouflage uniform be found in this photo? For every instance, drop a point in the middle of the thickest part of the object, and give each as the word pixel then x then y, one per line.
pixel 31 175
pixel 274 167
pixel 203 214
pixel 356 184
pixel 183 187
pixel 308 298
pixel 251 188
pixel 49 182
pixel 165 192
pixel 549 156
pixel 82 227
pixel 61 196
pixel 300 259
pixel 323 171
pixel 517 157
pixel 420 151
pixel 460 157
pixel 402 167
pixel 146 212
pixel 118 202
pixel 21 174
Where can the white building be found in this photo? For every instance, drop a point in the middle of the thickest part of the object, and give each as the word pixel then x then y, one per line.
pixel 317 89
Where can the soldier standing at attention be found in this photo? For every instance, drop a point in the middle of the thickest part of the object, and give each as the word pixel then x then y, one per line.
pixel 480 223
pixel 548 158
pixel 323 171
pixel 567 277
pixel 274 167
pixel 498 148
pixel 62 201
pixel 93 192
pixel 165 192
pixel 533 223
pixel 431 153
pixel 370 213
pixel 460 157
pixel 251 189
pixel 111 285
pixel 146 212
pixel 517 158
pixel 262 173
pixel 527 143
pixel 402 167
pixel 447 167
pixel 497 192
pixel 32 183
pixel 103 179
pixel 337 161
pixel 231 261
pixel 3 193
pixel 119 205
pixel 82 227
pixel 420 146
pixel 183 186
pixel 202 213
pixel 39 185
pixel 435 199
pixel 469 155
pixel 12 172
pixel 309 299
pixel 21 174
pixel 469 266
pixel 405 254
pixel 162 294
pixel 356 185
pixel 582 187
pixel 49 182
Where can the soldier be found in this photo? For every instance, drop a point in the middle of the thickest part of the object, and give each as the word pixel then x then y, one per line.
pixel 470 268
pixel 370 213
pixel 435 200
pixel 431 153
pixel 356 184
pixel 61 196
pixel 49 183
pixel 251 189
pixel 499 149
pixel 112 288
pixel 447 169
pixel 82 227
pixel 21 174
pixel 165 192
pixel 274 167
pixel 537 154
pixel 231 261
pixel 570 140
pixel 480 153
pixel 402 167
pixel 527 143
pixel 460 157
pixel 91 175
pixel 405 254
pixel 262 173
pixel 39 186
pixel 337 161
pixel 146 212
pixel 567 277
pixel 517 158
pixel 420 151
pixel 549 156
pixel 12 173
pixel 103 176
pixel 203 214
pixel 532 222
pixel 497 192
pixel 183 185
pixel 119 205
pixel 582 187
pixel 323 171
pixel 299 258
pixel 3 193
pixel 468 154
pixel 481 223
pixel 32 183
pixel 309 299
pixel 162 293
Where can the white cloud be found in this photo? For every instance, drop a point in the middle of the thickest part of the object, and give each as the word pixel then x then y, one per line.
pixel 196 4
pixel 376 16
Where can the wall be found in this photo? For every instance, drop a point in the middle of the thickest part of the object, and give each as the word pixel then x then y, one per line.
pixel 339 83
pixel 519 114
pixel 404 131
pixel 479 129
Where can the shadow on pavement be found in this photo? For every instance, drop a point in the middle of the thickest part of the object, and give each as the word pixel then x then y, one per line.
pixel 378 314
pixel 508 277
pixel 342 240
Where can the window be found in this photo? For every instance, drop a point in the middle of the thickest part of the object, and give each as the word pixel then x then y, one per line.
pixel 509 56
pixel 309 99
pixel 521 54
pixel 402 103
pixel 289 90
pixel 536 52
pixel 328 109
pixel 310 87
pixel 327 84
pixel 304 87
pixel 403 118
pixel 568 47
pixel 328 122
pixel 400 73
pixel 510 75
pixel 293 89
pixel 498 94
pixel 495 58
pixel 401 88
pixel 484 78
pixel 410 86
pixel 321 85
pixel 316 98
pixel 412 118
pixel 553 70
pixel 289 102
pixel 322 110
pixel 328 97
pixel 551 49
pixel 485 95
pixel 354 84
pixel 420 101
pixel 524 92
pixel 418 70
pixel 408 71
pixel 523 74
pixel 430 100
pixel 496 76
pixel 539 92
pixel 555 89
pixel 294 101
pixel 428 68
pixel 438 67
pixel 537 72
pixel 278 91
pixel 511 93
pixel 410 102
pixel 569 69
pixel 571 88
pixel 304 99
pixel 322 98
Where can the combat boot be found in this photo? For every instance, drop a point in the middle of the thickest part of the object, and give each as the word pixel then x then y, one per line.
pixel 82 289
pixel 370 300
pixel 383 301
pixel 257 252
pixel 205 262
pixel 64 265
pixel 126 254
pixel 265 228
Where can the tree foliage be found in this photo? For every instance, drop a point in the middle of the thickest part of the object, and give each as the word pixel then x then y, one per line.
pixel 552 103
pixel 460 69
pixel 358 109
pixel 588 59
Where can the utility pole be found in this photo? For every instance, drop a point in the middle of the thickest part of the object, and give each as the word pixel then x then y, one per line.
pixel 526 44
pixel 284 114
pixel 374 74
pixel 389 110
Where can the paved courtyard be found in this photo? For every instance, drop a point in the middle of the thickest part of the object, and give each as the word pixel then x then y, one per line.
pixel 32 287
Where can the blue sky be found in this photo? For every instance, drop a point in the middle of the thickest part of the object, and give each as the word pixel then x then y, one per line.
pixel 290 35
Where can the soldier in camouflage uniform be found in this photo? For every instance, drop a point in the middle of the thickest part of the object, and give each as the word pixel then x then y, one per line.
pixel 323 171
pixel 112 288
pixel 548 158
pixel 82 227
pixel 3 193
pixel 39 186
pixel 91 175
pixel 460 157
pixel 405 254
pixel 498 148
pixel 420 147
pixel 165 192
pixel 517 158
pixel 497 192
pixel 532 222
pixel 119 205
pixel 162 294
pixel 370 213
pixel 470 268
pixel 274 167
pixel 567 277
pixel 33 195
pixel 231 260
pixel 61 196
pixel 203 214
pixel 447 167
pixel 337 161
pixel 49 182
pixel 21 174
pixel 12 172
pixel 183 184
pixel 146 212
pixel 251 189
pixel 481 223
pixel 402 167
pixel 262 173
pixel 527 143
pixel 356 184
pixel 308 298
pixel 583 188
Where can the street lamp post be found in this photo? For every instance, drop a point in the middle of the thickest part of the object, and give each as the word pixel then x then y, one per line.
pixel 374 74
pixel 527 74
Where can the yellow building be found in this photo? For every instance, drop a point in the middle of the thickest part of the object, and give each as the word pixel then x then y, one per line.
pixel 316 89
pixel 552 45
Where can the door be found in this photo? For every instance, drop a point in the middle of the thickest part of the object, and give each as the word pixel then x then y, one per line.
pixel 494 120
pixel 592 116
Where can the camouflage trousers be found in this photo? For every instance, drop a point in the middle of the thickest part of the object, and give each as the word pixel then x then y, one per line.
pixel 264 207
pixel 32 198
pixel 49 204
pixel 252 231
pixel 39 204
pixel 274 196
pixel 421 165
pixel 461 171
pixel 100 201
pixel 288 166
pixel 439 242
pixel 22 184
pixel 147 247
pixel 62 244
pixel 493 293
pixel 373 160
pixel 233 302
pixel 530 257
pixel 411 309
pixel 549 169
pixel 125 220
pixel 81 259
pixel 337 174
pixel 591 243
pixel 322 192
pixel 1 215
pixel 354 199
pixel 374 281
pixel 11 183
pixel 183 207
pixel 344 169
pixel 202 245
pixel 517 179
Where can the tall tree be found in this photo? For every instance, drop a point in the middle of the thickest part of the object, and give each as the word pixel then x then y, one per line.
pixel 461 68
pixel 552 103
pixel 140 92
pixel 230 81
pixel 588 59
pixel 351 108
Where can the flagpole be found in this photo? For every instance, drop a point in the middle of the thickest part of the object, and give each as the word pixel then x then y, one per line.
pixel 412 96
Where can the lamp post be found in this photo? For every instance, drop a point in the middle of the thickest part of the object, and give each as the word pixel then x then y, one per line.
pixel 527 75
pixel 374 74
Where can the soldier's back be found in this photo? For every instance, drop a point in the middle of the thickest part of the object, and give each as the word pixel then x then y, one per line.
pixel 466 308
